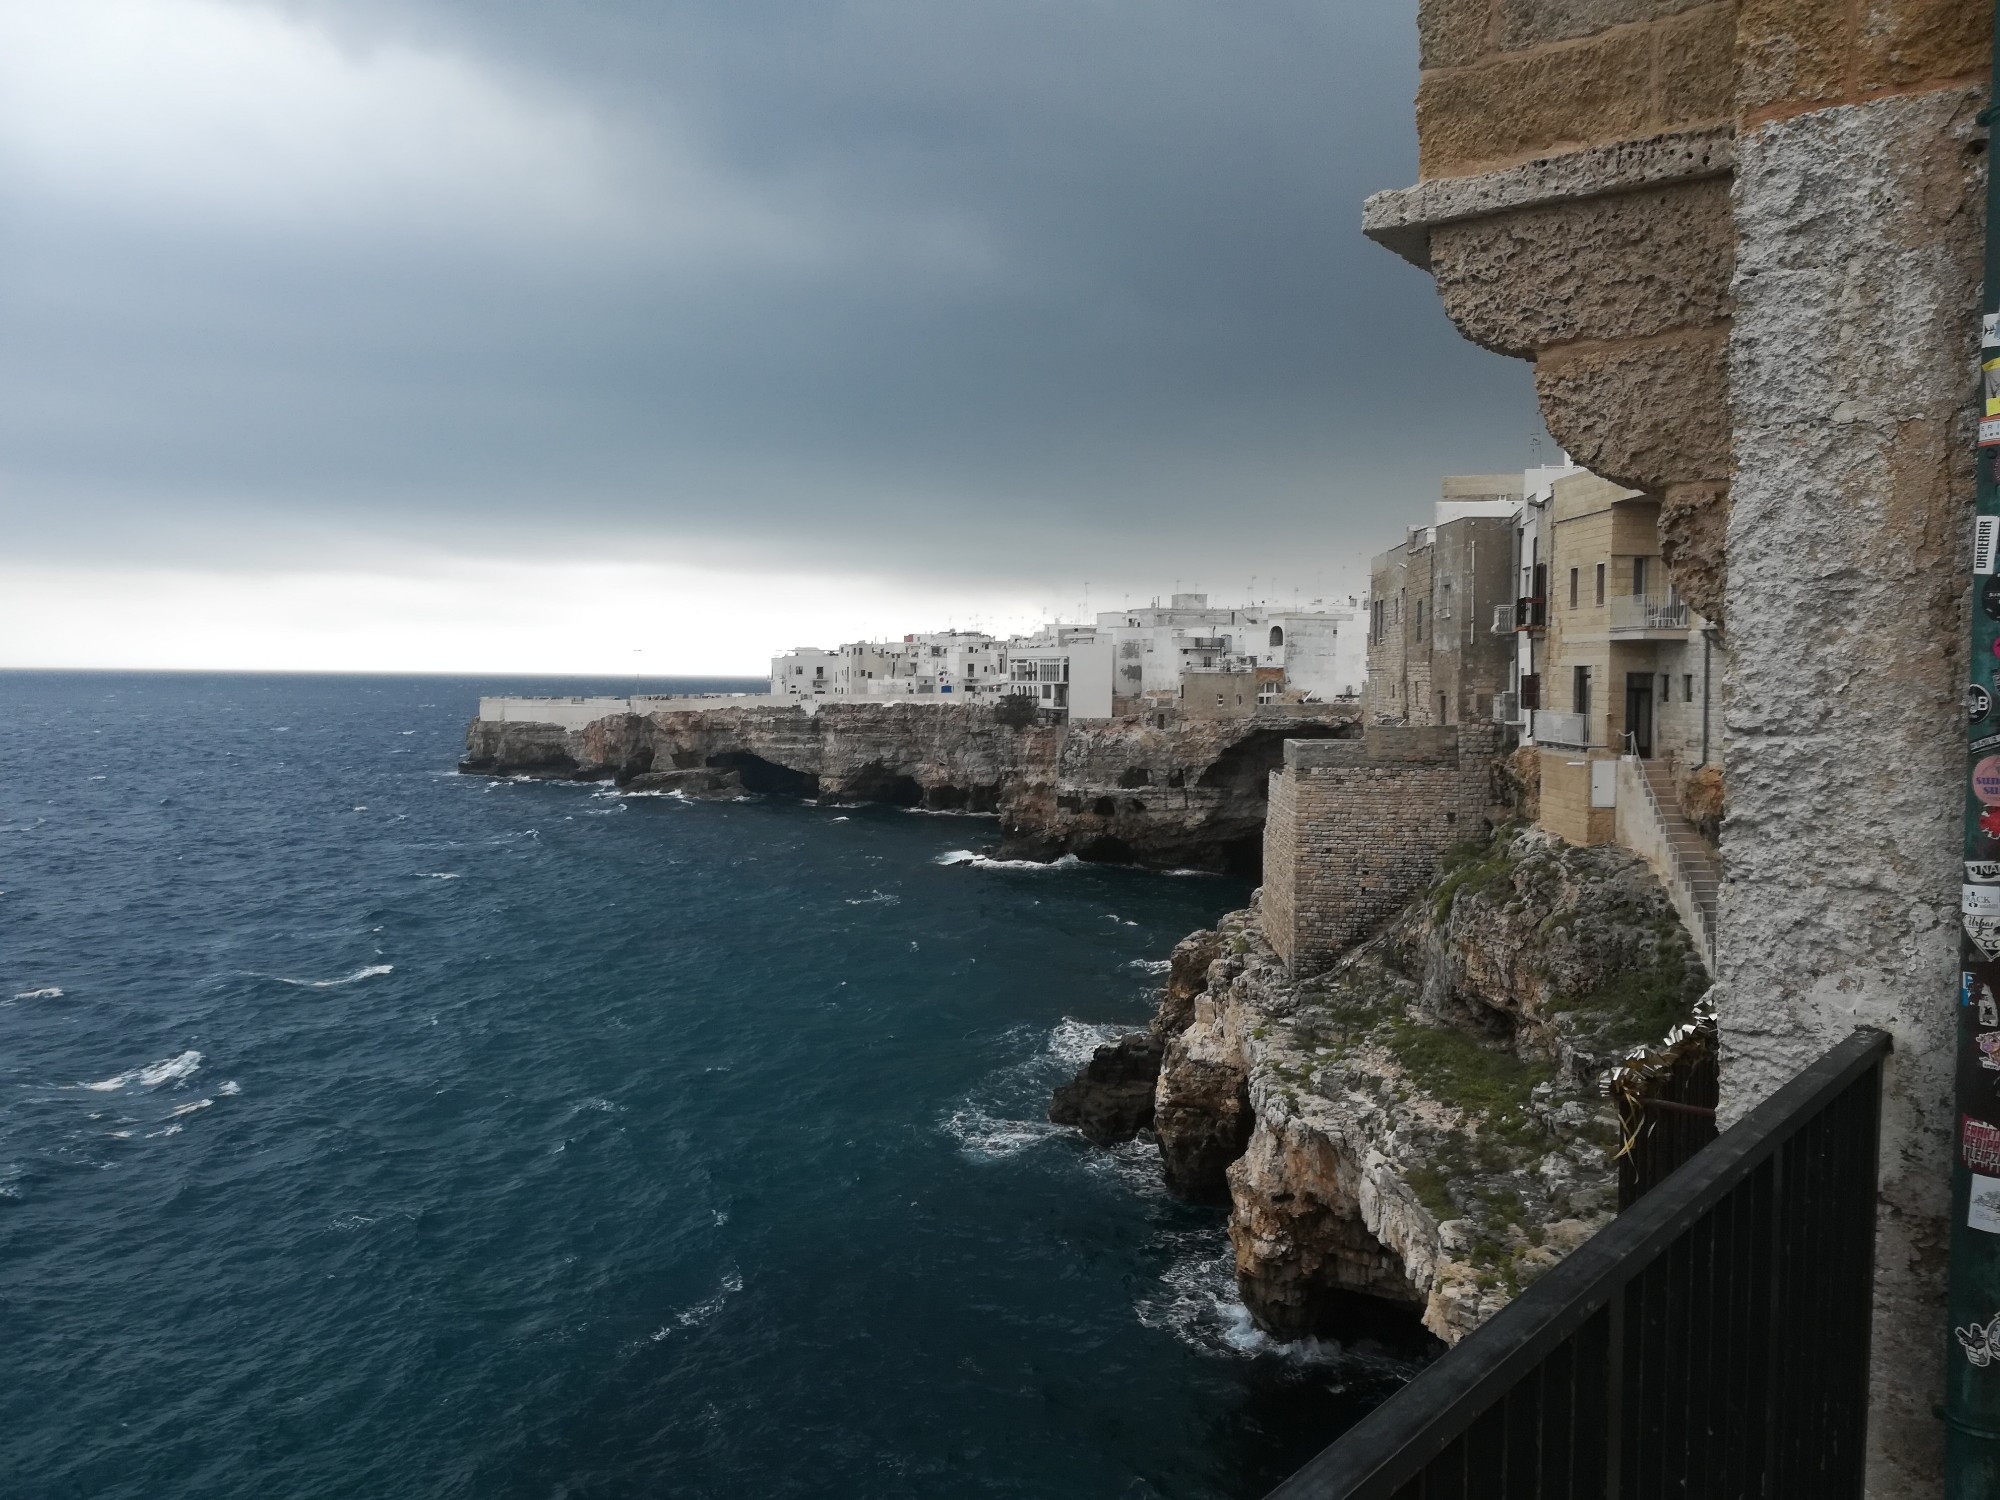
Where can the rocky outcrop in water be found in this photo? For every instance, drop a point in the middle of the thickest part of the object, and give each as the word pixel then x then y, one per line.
pixel 1419 1133
pixel 1120 790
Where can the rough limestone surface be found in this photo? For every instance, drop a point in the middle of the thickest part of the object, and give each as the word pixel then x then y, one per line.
pixel 1111 1100
pixel 1118 790
pixel 1852 362
pixel 1421 1128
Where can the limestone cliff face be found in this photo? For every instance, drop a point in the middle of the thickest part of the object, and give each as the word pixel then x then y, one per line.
pixel 1420 1131
pixel 1118 790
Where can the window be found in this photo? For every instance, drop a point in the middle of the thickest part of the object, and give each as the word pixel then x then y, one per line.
pixel 1572 588
pixel 1639 576
pixel 1277 635
pixel 1600 583
pixel 1666 688
pixel 1579 693
pixel 1687 687
pixel 1444 603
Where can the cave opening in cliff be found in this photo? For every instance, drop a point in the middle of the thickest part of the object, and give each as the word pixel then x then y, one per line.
pixel 875 782
pixel 761 775
pixel 1246 766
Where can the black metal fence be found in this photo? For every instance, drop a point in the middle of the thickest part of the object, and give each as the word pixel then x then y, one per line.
pixel 1666 1108
pixel 1710 1342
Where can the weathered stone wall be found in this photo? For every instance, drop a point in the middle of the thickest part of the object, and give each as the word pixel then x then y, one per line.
pixel 1740 242
pixel 1356 826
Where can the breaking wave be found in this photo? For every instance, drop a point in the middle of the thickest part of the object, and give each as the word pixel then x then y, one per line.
pixel 983 1135
pixel 47 992
pixel 702 1311
pixel 172 1070
pixel 367 972
pixel 1151 965
pixel 980 861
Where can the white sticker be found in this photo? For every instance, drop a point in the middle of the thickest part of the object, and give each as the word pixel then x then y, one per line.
pixel 1989 331
pixel 1984 1215
pixel 1979 900
pixel 1983 871
pixel 1980 1341
pixel 1985 538
pixel 1989 431
pixel 1985 934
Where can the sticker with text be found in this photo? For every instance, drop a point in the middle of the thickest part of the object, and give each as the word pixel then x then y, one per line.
pixel 1983 1213
pixel 1984 931
pixel 1979 1146
pixel 1980 1341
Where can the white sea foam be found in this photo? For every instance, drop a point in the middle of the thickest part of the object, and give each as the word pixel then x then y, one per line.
pixel 1183 874
pixel 348 1223
pixel 874 898
pixel 843 818
pixel 993 1139
pixel 367 972
pixel 230 1089
pixel 171 1070
pixel 46 992
pixel 980 861
pixel 438 875
pixel 703 1310
pixel 188 1109
pixel 1151 965
pixel 153 1135
pixel 1072 1042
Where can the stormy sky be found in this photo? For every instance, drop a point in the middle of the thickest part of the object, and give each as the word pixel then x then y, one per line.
pixel 572 334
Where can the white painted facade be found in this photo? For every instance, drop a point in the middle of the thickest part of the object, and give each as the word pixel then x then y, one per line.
pixel 1066 667
pixel 1322 648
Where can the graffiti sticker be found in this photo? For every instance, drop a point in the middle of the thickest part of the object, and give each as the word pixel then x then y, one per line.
pixel 1978 702
pixel 1984 931
pixel 1979 900
pixel 1980 1341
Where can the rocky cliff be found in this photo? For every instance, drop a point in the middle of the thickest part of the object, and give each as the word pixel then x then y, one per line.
pixel 1192 794
pixel 1420 1132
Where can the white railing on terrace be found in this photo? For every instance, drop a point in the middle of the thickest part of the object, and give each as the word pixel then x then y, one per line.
pixel 1568 730
pixel 1506 708
pixel 1649 612
pixel 1503 619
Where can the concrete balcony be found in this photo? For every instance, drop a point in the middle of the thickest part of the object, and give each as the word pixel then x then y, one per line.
pixel 1649 614
pixel 1507 708
pixel 1564 731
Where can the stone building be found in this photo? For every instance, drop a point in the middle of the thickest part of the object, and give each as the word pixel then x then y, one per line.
pixel 1356 827
pixel 1431 657
pixel 1740 242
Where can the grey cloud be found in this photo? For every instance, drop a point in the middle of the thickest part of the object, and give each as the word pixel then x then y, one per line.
pixel 1090 265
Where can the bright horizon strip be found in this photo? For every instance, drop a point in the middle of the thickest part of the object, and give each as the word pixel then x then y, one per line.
pixel 473 616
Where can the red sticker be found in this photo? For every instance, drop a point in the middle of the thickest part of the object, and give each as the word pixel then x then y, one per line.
pixel 1979 1144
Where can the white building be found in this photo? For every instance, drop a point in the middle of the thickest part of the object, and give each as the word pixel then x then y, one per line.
pixel 1063 667
pixel 1322 649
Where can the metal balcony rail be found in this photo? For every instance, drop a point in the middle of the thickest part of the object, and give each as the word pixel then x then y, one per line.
pixel 1712 1341
pixel 1648 612
pixel 1570 731
pixel 1506 708
pixel 1503 619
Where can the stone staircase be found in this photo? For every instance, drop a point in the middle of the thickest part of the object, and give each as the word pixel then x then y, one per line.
pixel 1692 878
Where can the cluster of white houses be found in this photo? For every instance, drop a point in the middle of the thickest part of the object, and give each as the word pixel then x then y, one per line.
pixel 1179 658
pixel 1536 600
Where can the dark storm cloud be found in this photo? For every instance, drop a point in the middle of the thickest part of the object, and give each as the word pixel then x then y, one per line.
pixel 942 287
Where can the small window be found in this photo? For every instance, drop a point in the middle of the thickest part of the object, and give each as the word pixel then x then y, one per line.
pixel 1639 576
pixel 1600 583
pixel 1579 694
pixel 1277 635
pixel 1687 687
pixel 1444 603
pixel 1572 588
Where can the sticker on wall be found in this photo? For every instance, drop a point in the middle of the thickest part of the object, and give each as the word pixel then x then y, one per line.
pixel 1989 369
pixel 1985 934
pixel 1986 780
pixel 1979 900
pixel 1980 1341
pixel 1989 1012
pixel 1988 1044
pixel 1989 597
pixel 1983 871
pixel 1989 330
pixel 1978 703
pixel 1979 1146
pixel 1989 431
pixel 1983 1213
pixel 1984 743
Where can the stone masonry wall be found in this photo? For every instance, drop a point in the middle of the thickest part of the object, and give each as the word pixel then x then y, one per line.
pixel 1355 827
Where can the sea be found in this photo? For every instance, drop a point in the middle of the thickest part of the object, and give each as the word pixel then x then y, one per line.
pixel 372 1130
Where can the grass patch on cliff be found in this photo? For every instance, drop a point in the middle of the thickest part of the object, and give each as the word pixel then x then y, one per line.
pixel 1642 1004
pixel 1480 867
pixel 1456 1070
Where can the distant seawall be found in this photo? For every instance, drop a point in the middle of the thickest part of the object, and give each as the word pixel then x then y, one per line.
pixel 1120 790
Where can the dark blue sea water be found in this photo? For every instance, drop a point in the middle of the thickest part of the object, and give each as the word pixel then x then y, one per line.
pixel 370 1130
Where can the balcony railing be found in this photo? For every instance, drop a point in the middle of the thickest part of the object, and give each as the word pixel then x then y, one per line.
pixel 1506 708
pixel 1564 730
pixel 1713 1340
pixel 1503 619
pixel 1633 612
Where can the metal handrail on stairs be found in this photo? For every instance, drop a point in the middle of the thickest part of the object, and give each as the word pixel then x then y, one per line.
pixel 1704 935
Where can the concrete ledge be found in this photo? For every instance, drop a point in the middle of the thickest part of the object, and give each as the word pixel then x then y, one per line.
pixel 1402 219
